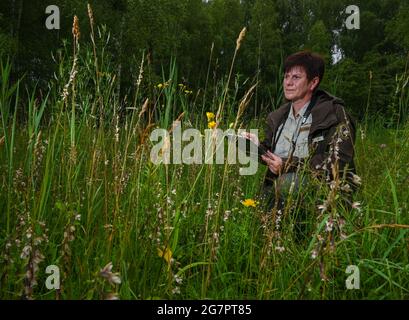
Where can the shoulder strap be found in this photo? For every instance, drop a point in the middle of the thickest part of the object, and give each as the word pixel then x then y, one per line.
pixel 277 136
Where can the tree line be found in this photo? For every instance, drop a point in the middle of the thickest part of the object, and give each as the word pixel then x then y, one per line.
pixel 367 72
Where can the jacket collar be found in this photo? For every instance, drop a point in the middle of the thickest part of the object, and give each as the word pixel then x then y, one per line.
pixel 322 113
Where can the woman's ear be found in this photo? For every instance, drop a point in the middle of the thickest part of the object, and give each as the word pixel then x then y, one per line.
pixel 314 83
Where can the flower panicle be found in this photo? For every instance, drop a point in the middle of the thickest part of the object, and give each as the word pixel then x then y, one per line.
pixel 241 37
pixel 76 28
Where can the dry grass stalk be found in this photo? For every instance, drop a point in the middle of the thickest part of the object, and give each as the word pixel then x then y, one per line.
pixel 176 122
pixel 90 15
pixel 76 29
pixel 221 106
pixel 144 108
pixel 241 37
pixel 244 103
pixel 76 33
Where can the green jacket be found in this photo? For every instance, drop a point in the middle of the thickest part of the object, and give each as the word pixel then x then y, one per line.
pixel 328 114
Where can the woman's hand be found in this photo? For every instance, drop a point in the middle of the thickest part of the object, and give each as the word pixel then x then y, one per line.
pixel 251 136
pixel 274 162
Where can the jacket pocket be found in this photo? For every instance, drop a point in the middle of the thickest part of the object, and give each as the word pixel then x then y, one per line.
pixel 302 147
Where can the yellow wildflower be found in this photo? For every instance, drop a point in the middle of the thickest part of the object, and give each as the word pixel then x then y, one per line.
pixel 167 254
pixel 160 86
pixel 249 203
pixel 210 116
pixel 211 125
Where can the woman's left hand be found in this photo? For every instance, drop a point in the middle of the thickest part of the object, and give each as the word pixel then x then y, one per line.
pixel 274 162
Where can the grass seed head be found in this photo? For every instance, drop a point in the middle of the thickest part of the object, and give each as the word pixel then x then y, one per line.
pixel 76 28
pixel 241 38
pixel 90 14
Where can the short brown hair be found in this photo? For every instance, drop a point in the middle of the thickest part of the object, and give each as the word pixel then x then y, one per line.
pixel 312 63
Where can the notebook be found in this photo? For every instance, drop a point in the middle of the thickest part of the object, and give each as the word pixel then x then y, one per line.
pixel 246 145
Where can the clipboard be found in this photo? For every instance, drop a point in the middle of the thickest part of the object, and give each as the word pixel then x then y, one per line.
pixel 247 144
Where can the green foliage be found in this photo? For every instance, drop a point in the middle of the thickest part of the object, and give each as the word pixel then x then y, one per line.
pixel 396 29
pixel 78 189
pixel 194 31
pixel 319 40
pixel 179 231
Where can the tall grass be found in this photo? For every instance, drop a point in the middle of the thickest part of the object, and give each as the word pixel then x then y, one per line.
pixel 79 191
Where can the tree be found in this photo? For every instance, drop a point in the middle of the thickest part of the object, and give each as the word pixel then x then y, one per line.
pixel 319 40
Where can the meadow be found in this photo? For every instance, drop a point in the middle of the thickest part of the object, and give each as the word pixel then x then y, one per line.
pixel 78 191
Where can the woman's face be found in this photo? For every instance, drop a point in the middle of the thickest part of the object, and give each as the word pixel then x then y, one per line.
pixel 296 84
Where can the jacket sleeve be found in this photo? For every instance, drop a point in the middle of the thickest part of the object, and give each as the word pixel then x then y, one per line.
pixel 268 137
pixel 338 146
